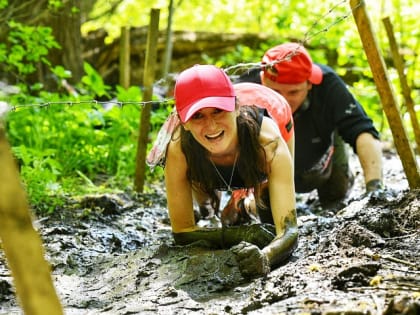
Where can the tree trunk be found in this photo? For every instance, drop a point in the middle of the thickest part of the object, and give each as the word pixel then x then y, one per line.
pixel 65 22
pixel 21 243
pixel 66 29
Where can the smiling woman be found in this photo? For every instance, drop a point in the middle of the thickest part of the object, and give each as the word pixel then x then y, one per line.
pixel 222 148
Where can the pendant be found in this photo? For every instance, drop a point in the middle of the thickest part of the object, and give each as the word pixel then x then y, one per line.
pixel 224 198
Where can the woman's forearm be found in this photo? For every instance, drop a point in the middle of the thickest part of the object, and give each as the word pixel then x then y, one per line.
pixel 211 236
pixel 282 246
pixel 258 234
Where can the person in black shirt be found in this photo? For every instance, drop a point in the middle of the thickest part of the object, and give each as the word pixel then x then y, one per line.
pixel 326 116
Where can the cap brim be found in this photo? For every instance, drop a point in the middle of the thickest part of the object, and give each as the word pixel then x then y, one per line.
pixel 226 103
pixel 316 75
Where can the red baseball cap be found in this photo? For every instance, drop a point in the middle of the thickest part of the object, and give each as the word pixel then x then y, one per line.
pixel 203 86
pixel 291 64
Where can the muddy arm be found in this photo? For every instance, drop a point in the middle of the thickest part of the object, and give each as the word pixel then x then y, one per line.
pixel 284 243
pixel 257 234
pixel 282 246
pixel 253 261
pixel 212 237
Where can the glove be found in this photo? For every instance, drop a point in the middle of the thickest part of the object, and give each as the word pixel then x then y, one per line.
pixel 251 260
pixel 258 234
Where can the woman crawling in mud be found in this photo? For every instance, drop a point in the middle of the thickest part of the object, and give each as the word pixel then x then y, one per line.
pixel 222 147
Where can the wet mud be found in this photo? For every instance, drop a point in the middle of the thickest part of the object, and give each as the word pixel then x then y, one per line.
pixel 114 254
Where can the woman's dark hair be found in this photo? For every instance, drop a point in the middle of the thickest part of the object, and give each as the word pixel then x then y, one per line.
pixel 251 159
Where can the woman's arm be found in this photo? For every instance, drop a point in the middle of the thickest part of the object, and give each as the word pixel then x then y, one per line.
pixel 181 213
pixel 283 203
pixel 291 147
pixel 253 261
pixel 178 190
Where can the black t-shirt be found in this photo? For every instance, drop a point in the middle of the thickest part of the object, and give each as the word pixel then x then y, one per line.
pixel 331 107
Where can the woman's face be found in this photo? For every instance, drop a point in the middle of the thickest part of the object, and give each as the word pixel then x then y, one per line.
pixel 215 130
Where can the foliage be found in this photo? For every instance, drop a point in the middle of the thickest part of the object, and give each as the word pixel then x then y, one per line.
pixel 328 31
pixel 94 81
pixel 68 144
pixel 26 47
pixel 331 37
pixel 3 4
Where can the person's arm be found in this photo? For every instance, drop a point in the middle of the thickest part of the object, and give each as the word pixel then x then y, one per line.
pixel 353 124
pixel 291 146
pixel 369 152
pixel 178 190
pixel 253 261
pixel 257 234
pixel 181 212
pixel 284 244
pixel 283 206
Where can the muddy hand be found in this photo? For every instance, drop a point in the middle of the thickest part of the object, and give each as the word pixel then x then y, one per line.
pixel 374 185
pixel 251 260
pixel 375 190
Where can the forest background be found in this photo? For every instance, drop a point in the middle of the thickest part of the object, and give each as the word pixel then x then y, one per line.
pixel 69 137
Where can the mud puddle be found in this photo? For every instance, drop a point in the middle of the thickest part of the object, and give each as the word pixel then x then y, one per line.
pixel 114 254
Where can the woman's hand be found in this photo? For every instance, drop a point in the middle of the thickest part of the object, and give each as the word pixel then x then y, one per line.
pixel 254 261
pixel 251 260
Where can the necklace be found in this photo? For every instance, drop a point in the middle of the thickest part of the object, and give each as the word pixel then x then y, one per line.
pixel 231 175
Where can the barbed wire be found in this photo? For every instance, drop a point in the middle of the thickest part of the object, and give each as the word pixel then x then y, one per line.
pixel 306 37
pixel 231 70
pixel 119 104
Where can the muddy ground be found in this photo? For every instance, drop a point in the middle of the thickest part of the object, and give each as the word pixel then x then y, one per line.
pixel 114 254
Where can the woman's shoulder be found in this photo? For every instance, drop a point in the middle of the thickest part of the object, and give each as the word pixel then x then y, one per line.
pixel 271 139
pixel 269 129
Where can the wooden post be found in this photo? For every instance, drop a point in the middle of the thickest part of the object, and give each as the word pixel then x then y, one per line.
pixel 124 67
pixel 21 243
pixel 386 92
pixel 399 65
pixel 148 79
pixel 168 46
